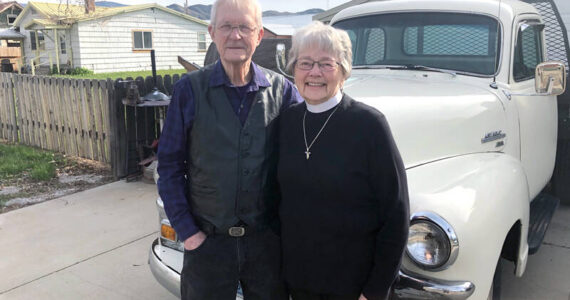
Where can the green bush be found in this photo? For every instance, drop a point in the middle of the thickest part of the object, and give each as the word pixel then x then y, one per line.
pixel 80 71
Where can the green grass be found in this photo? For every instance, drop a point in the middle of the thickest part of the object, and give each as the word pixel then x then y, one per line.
pixel 18 160
pixel 124 75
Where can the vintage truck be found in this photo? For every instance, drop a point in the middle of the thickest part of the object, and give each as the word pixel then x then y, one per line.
pixel 471 101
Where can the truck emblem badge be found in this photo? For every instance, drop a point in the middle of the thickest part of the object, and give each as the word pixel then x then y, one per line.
pixel 493 136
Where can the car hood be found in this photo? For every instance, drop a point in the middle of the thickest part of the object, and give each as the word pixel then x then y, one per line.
pixel 433 115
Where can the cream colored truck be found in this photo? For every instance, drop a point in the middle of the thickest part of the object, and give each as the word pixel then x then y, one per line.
pixel 472 106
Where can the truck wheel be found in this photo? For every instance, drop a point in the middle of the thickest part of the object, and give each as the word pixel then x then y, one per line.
pixel 495 290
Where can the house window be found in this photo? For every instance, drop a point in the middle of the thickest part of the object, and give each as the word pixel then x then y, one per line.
pixel 11 18
pixel 202 41
pixel 62 45
pixel 41 40
pixel 142 40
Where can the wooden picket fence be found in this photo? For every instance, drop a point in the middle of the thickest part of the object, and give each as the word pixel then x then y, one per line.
pixel 81 117
pixel 65 115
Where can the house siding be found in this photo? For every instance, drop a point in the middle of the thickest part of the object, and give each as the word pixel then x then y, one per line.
pixel 107 43
pixel 73 40
pixel 49 43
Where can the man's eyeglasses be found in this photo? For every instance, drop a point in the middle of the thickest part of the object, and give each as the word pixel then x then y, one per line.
pixel 244 30
pixel 324 66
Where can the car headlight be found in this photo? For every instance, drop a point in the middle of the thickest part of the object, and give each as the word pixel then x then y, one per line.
pixel 168 236
pixel 432 242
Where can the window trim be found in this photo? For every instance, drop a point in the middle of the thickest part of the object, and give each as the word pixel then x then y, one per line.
pixel 41 40
pixel 8 18
pixel 142 31
pixel 198 42
pixel 62 44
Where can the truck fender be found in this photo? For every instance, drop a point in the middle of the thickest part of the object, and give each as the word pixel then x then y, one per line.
pixel 481 196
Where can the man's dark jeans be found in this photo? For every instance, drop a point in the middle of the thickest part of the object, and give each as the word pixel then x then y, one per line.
pixel 212 271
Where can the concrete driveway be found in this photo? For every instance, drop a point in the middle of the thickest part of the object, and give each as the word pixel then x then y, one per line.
pixel 89 245
pixel 547 275
pixel 94 245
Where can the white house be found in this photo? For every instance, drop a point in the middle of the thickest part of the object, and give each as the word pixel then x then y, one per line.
pixel 110 39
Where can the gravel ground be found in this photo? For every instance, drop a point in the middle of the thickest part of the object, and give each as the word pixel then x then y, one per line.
pixel 76 175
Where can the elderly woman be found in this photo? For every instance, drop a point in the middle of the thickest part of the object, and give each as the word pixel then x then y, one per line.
pixel 344 208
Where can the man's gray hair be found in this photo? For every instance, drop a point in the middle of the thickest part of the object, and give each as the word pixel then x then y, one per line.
pixel 237 3
pixel 324 37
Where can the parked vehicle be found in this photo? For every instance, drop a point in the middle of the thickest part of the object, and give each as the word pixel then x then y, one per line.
pixel 472 106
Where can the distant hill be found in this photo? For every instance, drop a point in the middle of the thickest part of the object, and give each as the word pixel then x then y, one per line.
pixel 108 4
pixel 274 13
pixel 201 11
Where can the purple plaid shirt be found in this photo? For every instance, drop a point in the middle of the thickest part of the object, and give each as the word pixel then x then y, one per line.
pixel 173 152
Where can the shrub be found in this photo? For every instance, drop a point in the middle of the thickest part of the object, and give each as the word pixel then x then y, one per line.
pixel 43 171
pixel 80 71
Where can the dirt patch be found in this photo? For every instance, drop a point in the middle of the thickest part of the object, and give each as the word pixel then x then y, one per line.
pixel 74 175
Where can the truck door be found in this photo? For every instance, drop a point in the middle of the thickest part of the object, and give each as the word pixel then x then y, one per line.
pixel 538 114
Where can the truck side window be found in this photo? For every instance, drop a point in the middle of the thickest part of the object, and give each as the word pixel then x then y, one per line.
pixel 528 52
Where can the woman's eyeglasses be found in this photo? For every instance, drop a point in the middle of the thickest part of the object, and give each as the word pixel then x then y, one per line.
pixel 324 66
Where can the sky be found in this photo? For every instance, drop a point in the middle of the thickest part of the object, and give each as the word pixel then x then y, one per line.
pixel 279 5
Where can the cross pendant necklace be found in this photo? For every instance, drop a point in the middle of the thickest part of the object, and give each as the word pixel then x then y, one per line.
pixel 308 147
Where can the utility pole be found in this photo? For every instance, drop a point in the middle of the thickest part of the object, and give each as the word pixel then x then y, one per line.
pixel 186 7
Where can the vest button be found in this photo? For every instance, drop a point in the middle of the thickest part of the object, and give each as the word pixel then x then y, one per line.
pixel 246 172
pixel 245 154
pixel 246 134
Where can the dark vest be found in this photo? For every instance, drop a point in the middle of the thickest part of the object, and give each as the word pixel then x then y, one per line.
pixel 233 167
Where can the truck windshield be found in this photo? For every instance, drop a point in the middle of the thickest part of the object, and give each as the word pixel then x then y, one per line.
pixel 463 43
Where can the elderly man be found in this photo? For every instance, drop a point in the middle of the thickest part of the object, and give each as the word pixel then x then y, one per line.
pixel 217 164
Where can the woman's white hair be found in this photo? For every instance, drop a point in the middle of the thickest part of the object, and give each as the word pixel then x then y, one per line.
pixel 324 37
pixel 237 3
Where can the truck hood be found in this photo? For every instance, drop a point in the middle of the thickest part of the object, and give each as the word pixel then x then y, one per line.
pixel 433 116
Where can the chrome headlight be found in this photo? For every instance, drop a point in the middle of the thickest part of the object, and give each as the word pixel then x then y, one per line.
pixel 432 242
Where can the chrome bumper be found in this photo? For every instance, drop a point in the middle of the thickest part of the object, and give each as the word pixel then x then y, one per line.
pixel 408 287
pixel 166 276
pixel 417 287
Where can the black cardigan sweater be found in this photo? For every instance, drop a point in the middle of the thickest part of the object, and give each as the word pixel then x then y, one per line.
pixel 344 211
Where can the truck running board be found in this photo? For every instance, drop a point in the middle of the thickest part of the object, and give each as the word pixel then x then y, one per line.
pixel 542 209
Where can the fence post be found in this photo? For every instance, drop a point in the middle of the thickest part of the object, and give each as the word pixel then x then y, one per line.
pixel 3 113
pixel 117 129
pixel 12 98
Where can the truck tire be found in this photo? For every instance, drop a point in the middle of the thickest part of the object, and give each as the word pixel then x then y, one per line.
pixel 495 290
